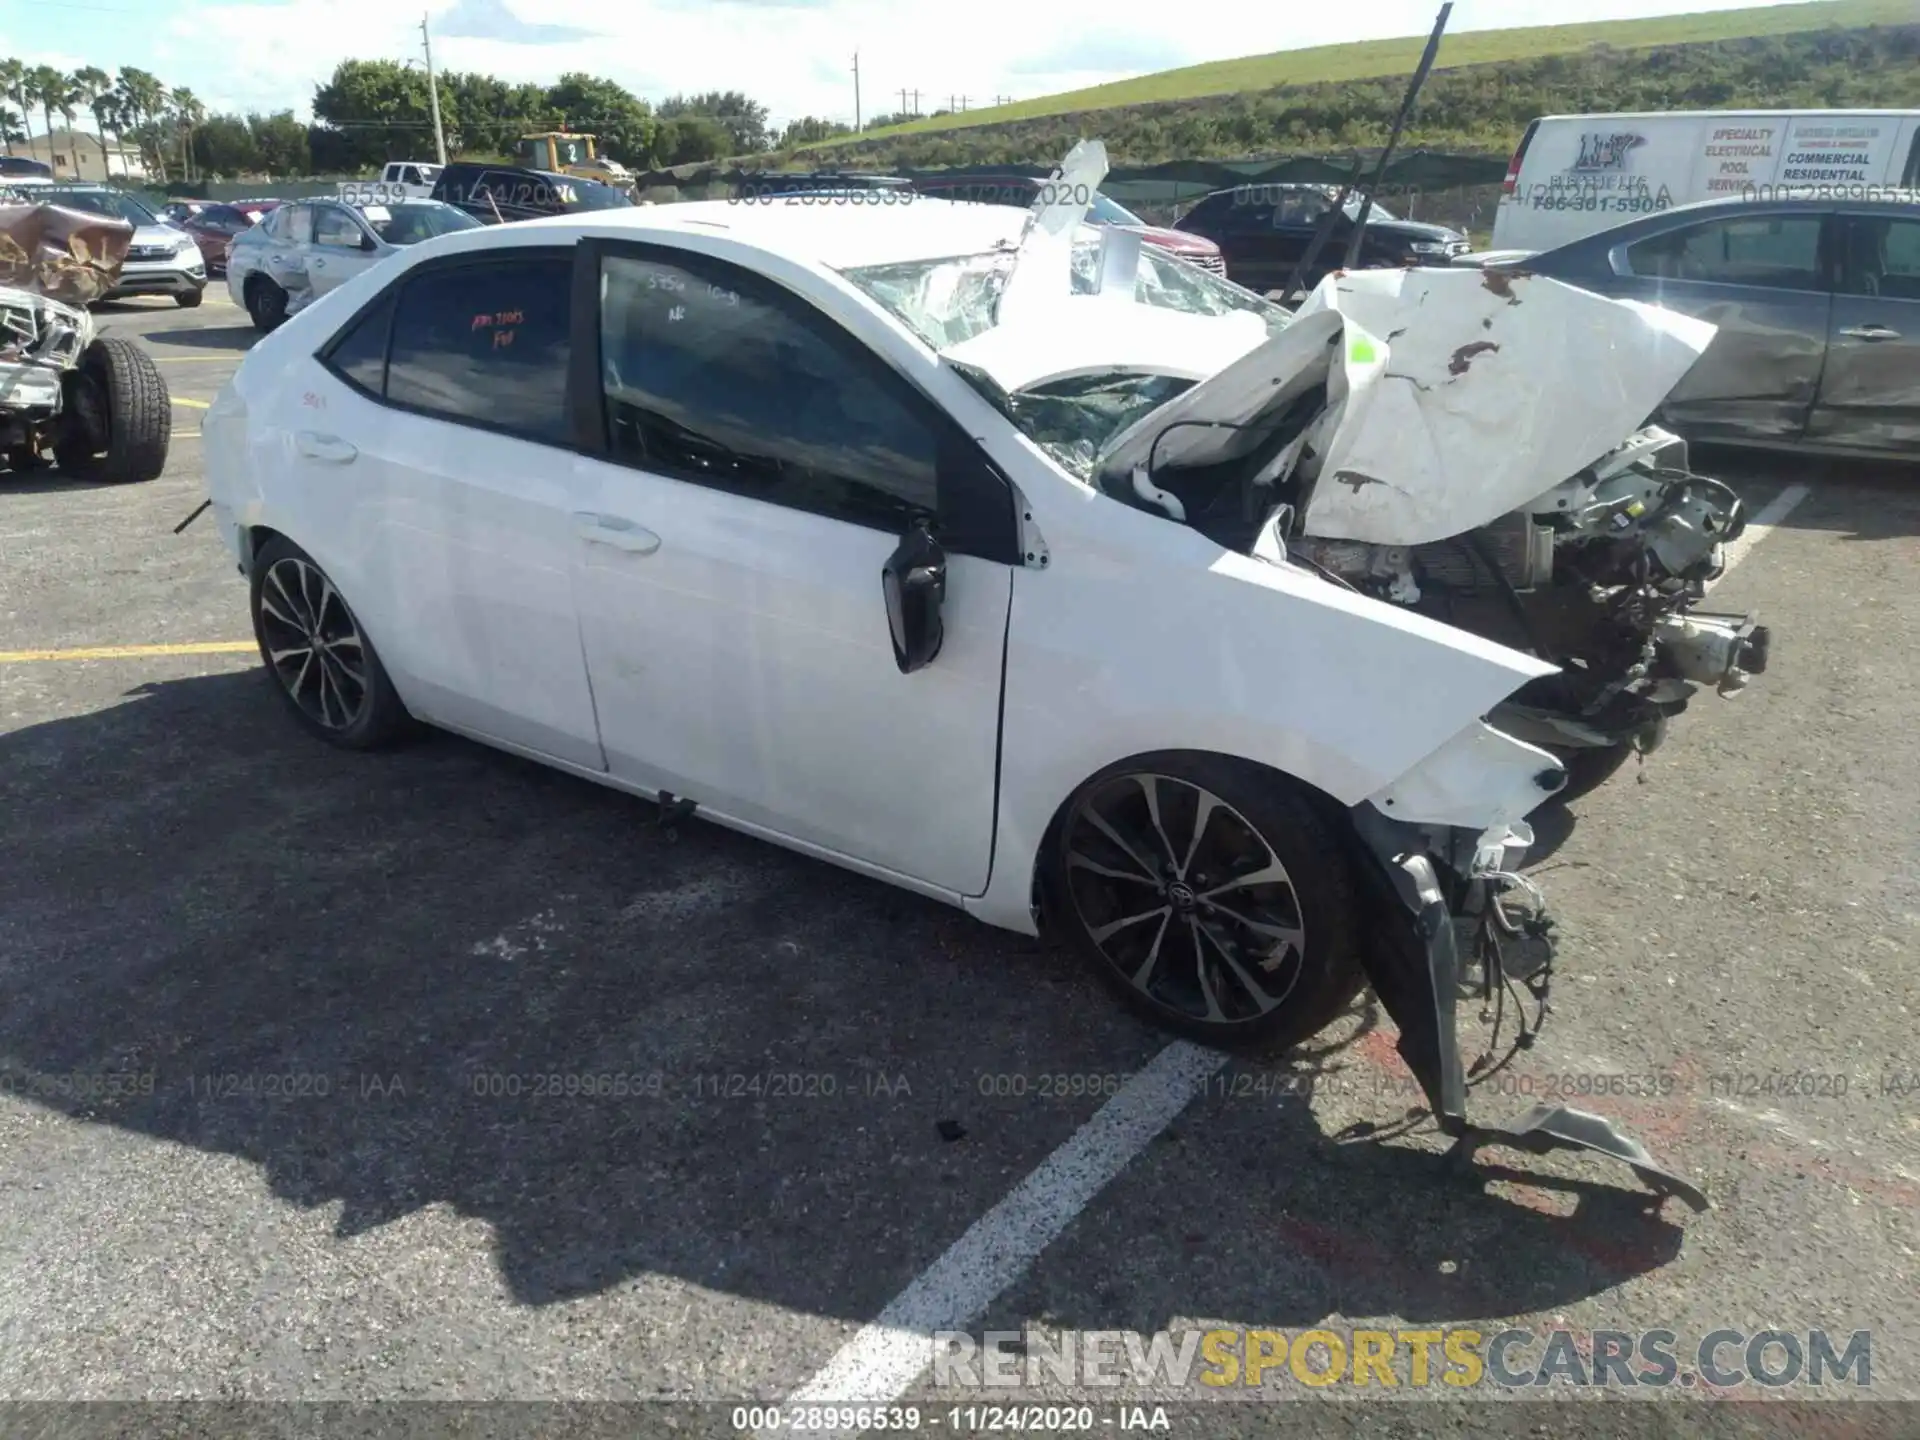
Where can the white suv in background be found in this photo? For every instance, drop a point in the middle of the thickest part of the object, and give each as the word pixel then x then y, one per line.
pixel 162 260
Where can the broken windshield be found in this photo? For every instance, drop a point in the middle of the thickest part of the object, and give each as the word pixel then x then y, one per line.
pixel 951 300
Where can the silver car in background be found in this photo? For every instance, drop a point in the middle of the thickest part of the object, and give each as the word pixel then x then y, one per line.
pixel 162 260
pixel 1817 300
pixel 306 248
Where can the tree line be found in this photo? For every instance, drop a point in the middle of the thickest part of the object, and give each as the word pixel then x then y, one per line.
pixel 371 111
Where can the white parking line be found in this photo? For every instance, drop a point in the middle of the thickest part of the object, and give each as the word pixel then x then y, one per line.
pixel 1762 525
pixel 886 1356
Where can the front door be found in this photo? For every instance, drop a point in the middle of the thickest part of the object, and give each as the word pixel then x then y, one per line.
pixel 1763 280
pixel 763 466
pixel 1870 394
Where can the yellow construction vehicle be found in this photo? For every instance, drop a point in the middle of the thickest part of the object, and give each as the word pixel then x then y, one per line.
pixel 567 153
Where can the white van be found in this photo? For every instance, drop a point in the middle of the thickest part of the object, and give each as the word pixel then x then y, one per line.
pixel 1575 174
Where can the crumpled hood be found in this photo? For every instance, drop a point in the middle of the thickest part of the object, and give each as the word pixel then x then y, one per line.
pixel 1461 395
pixel 1454 396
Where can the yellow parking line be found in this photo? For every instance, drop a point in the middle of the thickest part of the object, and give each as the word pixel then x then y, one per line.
pixel 186 434
pixel 196 404
pixel 191 359
pixel 128 652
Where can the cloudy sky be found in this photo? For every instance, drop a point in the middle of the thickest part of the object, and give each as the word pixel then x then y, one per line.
pixel 795 56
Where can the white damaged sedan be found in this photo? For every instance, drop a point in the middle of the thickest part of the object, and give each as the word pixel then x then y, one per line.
pixel 850 527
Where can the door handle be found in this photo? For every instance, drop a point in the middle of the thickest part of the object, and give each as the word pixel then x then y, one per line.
pixel 330 448
pixel 1870 332
pixel 615 531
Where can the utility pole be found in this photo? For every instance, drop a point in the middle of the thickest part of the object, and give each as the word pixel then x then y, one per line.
pixel 963 104
pixel 916 102
pixel 903 99
pixel 856 92
pixel 433 93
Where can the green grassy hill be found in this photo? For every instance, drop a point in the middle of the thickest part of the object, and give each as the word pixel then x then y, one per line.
pixel 1484 89
pixel 1369 59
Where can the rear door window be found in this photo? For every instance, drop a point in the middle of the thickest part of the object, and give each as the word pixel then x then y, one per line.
pixel 486 344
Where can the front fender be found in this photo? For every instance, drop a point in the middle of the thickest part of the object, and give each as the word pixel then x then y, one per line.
pixel 1181 645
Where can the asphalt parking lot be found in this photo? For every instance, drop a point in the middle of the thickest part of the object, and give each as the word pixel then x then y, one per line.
pixel 277 1026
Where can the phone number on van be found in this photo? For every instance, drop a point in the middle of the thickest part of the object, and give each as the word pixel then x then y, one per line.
pixel 1638 202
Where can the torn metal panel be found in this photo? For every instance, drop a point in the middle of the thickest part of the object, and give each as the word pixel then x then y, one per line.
pixel 1042 274
pixel 1461 391
pixel 70 256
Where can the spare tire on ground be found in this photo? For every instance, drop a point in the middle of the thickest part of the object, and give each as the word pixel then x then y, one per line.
pixel 117 418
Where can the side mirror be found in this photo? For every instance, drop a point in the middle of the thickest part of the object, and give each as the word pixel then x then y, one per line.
pixel 367 243
pixel 914 580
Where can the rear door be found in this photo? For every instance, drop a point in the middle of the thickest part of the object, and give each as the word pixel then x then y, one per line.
pixel 339 248
pixel 1870 394
pixel 445 437
pixel 286 259
pixel 1763 279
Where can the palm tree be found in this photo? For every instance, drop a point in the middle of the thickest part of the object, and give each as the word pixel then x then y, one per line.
pixel 46 86
pixel 95 86
pixel 68 97
pixel 142 98
pixel 188 115
pixel 13 80
pixel 10 130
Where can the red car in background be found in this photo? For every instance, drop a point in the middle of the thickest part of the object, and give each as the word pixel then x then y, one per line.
pixel 1021 190
pixel 214 226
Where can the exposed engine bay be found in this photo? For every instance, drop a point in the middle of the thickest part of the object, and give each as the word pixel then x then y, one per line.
pixel 1598 576
pixel 1373 439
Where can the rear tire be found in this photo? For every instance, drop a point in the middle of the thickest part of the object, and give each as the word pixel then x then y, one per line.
pixel 1150 876
pixel 319 660
pixel 119 418
pixel 266 303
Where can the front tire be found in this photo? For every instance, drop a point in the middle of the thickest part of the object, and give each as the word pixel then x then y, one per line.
pixel 187 299
pixel 118 418
pixel 318 659
pixel 1211 895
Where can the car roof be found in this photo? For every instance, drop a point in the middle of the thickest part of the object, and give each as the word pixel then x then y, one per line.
pixel 833 237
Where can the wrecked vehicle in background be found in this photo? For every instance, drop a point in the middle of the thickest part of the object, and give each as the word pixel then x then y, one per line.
pixel 97 402
pixel 1458 443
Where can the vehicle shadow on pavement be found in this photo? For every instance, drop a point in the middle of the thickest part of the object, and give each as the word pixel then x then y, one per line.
pixel 1860 499
pixel 445 976
pixel 235 338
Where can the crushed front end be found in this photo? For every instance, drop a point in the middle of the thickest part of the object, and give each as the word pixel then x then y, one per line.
pixel 1455 920
pixel 41 341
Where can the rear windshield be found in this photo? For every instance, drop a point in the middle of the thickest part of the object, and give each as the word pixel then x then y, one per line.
pixel 588 195
pixel 410 224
